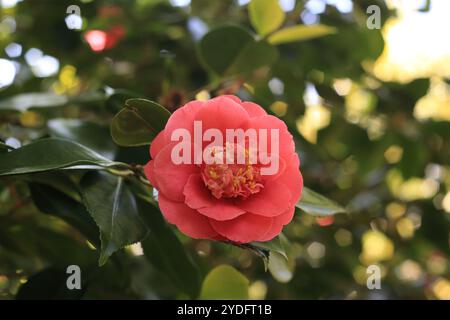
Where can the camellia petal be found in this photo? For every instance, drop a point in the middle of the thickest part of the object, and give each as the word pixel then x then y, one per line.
pixel 171 178
pixel 278 223
pixel 293 179
pixel 285 140
pixel 197 196
pixel 189 221
pixel 253 109
pixel 272 201
pixel 157 144
pixel 243 229
pixel 279 171
pixel 222 113
pixel 148 170
pixel 234 98
pixel 183 118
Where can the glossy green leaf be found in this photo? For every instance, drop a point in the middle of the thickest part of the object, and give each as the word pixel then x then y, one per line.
pixel 230 50
pixel 165 251
pixel 49 154
pixel 113 207
pixel 266 15
pixel 57 180
pixel 313 203
pixel 89 134
pixel 138 122
pixel 224 283
pixel 300 33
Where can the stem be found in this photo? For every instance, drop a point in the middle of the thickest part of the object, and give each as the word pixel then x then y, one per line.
pixel 121 173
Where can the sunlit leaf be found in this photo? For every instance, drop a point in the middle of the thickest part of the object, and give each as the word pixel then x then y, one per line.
pixel 225 282
pixel 265 15
pixel 300 33
pixel 313 203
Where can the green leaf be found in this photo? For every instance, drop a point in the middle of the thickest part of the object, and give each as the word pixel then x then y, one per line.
pixel 313 203
pixel 278 262
pixel 113 207
pixel 300 33
pixel 225 283
pixel 278 245
pixel 56 180
pixel 253 56
pixel 138 122
pixel 56 203
pixel 221 46
pixel 50 154
pixel 230 50
pixel 165 251
pixel 115 98
pixel 89 134
pixel 265 15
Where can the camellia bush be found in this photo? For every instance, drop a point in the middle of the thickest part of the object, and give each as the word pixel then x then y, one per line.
pixel 94 206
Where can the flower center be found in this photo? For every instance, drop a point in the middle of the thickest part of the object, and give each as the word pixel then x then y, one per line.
pixel 232 180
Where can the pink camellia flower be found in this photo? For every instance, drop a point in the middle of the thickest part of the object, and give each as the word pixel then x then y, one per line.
pixel 221 199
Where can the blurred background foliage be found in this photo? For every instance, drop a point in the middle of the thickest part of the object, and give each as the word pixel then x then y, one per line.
pixel 369 110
